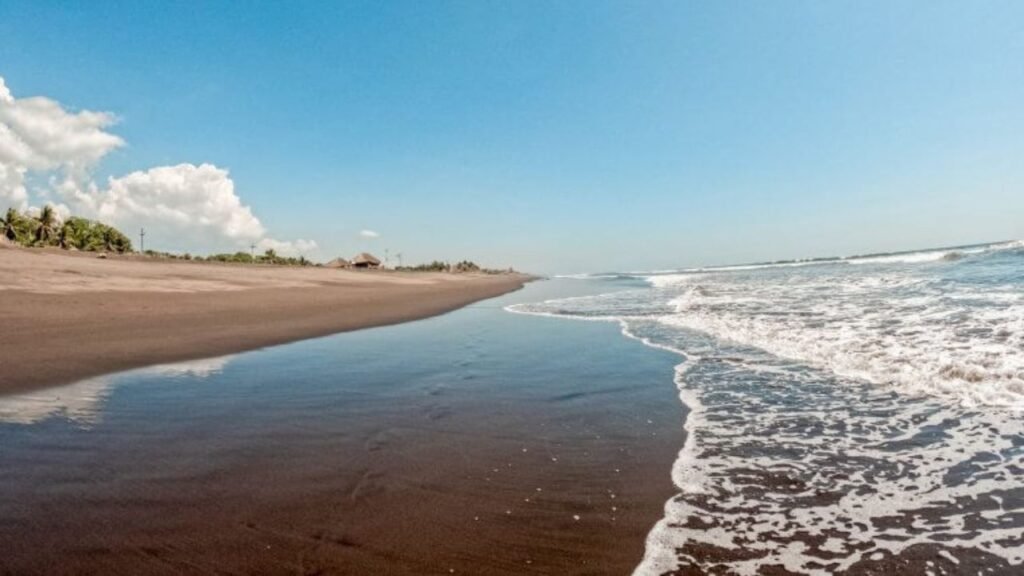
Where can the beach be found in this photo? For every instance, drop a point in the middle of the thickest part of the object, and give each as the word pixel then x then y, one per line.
pixel 687 421
pixel 476 442
pixel 261 310
pixel 69 316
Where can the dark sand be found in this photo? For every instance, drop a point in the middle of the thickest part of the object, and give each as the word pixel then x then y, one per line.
pixel 71 316
pixel 466 443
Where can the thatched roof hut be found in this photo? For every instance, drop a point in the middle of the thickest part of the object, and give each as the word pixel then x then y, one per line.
pixel 366 260
pixel 338 263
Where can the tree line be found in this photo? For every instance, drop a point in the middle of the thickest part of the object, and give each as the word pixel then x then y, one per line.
pixel 268 257
pixel 441 266
pixel 75 233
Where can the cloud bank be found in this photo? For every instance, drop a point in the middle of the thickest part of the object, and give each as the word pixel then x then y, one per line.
pixel 183 205
pixel 369 234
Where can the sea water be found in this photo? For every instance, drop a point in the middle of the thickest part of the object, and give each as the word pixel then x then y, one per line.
pixel 847 415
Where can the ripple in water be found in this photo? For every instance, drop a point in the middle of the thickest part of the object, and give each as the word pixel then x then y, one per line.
pixel 844 419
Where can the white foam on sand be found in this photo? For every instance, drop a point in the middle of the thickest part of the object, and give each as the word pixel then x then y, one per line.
pixel 818 482
pixel 838 416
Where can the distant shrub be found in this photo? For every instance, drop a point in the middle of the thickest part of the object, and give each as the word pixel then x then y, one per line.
pixel 268 257
pixel 458 267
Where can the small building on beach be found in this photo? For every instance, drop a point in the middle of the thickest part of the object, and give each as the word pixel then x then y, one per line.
pixel 338 263
pixel 365 260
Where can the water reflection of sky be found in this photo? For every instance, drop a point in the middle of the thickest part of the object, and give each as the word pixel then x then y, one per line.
pixel 308 365
pixel 82 402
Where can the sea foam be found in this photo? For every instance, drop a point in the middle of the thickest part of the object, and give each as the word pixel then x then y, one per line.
pixel 842 418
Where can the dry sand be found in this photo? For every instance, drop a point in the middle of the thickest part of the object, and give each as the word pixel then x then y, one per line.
pixel 68 316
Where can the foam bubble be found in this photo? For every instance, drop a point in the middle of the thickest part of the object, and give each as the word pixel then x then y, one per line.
pixel 923 335
pixel 791 466
pixel 841 418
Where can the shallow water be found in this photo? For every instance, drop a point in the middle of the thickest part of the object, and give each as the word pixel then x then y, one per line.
pixel 848 416
pixel 479 441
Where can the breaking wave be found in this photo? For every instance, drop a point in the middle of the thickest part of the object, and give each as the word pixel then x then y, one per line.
pixel 843 419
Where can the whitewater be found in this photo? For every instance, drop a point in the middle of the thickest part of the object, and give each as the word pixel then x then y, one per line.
pixel 846 415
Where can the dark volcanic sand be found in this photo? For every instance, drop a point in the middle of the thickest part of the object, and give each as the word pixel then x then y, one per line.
pixel 466 443
pixel 67 316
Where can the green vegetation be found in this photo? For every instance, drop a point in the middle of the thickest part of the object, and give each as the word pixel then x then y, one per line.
pixel 435 266
pixel 458 267
pixel 12 227
pixel 83 234
pixel 170 255
pixel 73 234
pixel 76 233
pixel 268 257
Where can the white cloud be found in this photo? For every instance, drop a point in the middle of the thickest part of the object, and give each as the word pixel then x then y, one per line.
pixel 194 199
pixel 12 184
pixel 182 206
pixel 82 402
pixel 38 135
pixel 60 211
pixel 369 234
pixel 287 248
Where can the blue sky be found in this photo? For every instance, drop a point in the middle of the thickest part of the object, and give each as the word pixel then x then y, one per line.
pixel 565 136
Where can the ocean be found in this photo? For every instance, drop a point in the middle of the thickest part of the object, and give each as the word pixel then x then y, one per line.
pixel 846 415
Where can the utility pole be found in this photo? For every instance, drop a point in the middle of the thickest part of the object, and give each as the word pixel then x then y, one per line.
pixel 399 256
pixel 387 259
pixel 142 240
pixel 252 251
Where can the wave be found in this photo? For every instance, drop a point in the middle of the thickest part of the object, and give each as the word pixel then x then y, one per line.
pixel 918 334
pixel 796 458
pixel 785 466
pixel 948 254
pixel 955 331
pixel 835 420
pixel 599 276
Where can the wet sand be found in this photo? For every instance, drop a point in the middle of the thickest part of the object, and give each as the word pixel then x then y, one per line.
pixel 72 316
pixel 479 442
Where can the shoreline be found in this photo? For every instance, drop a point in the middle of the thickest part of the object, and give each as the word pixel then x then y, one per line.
pixel 478 442
pixel 69 317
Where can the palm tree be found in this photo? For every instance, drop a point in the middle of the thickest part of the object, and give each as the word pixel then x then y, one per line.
pixel 74 234
pixel 113 241
pixel 64 239
pixel 47 219
pixel 10 223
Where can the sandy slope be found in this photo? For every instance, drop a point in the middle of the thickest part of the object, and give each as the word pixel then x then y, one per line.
pixel 66 316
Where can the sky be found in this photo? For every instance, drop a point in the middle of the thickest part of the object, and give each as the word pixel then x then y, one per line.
pixel 555 137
